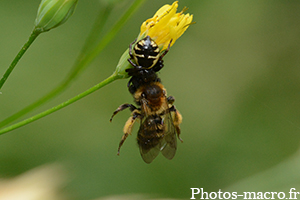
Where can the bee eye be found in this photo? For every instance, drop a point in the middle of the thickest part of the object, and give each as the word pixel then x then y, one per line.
pixel 143 95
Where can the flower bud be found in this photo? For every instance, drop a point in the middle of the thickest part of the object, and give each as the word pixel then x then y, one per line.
pixel 52 13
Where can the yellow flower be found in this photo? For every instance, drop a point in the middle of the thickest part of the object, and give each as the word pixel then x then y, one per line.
pixel 165 25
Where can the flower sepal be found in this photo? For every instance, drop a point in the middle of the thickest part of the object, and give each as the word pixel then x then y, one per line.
pixel 122 65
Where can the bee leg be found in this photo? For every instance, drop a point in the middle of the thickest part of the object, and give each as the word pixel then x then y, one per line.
pixel 171 100
pixel 177 119
pixel 128 127
pixel 123 107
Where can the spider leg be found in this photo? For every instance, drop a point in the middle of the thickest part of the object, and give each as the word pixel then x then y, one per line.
pixel 130 49
pixel 166 51
pixel 160 63
pixel 132 63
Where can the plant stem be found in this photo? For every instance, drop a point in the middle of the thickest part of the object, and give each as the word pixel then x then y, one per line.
pixel 97 29
pixel 84 59
pixel 72 75
pixel 31 39
pixel 110 79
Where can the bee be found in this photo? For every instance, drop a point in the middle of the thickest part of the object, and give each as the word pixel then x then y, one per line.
pixel 159 121
pixel 158 117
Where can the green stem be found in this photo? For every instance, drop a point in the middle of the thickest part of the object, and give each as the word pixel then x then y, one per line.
pixel 110 35
pixel 83 60
pixel 62 105
pixel 90 43
pixel 72 75
pixel 97 29
pixel 64 84
pixel 31 39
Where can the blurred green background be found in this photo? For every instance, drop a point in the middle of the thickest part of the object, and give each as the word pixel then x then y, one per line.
pixel 235 76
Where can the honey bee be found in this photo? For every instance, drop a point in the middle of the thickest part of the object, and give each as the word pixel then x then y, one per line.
pixel 159 121
pixel 158 117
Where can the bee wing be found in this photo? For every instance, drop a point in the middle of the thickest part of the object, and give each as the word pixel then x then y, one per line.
pixel 148 155
pixel 155 136
pixel 147 141
pixel 168 144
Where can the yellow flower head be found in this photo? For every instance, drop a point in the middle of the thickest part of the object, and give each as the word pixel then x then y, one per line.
pixel 166 25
